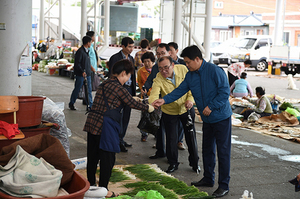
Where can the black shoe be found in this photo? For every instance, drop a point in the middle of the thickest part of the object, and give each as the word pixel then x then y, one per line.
pixel 220 192
pixel 127 145
pixel 72 107
pixel 123 148
pixel 202 183
pixel 155 156
pixel 197 169
pixel 172 168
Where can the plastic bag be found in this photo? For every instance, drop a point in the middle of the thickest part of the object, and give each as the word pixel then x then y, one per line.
pixel 151 194
pixel 150 122
pixel 53 113
pixel 253 117
pixel 95 82
pixel 81 94
pixel 292 111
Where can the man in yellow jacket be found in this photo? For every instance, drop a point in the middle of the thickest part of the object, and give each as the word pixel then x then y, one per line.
pixel 170 77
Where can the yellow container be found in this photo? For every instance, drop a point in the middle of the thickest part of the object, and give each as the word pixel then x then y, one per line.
pixel 269 69
pixel 277 71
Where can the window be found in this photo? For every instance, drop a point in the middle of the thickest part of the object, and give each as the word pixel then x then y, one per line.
pixel 247 32
pixel 246 43
pixel 224 35
pixel 259 32
pixel 263 42
pixel 286 38
pixel 219 4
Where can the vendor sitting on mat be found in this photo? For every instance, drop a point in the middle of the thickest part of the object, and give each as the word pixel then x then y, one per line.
pixel 262 104
pixel 241 87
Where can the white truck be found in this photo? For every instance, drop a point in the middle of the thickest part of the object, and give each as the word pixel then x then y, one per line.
pixel 253 47
pixel 287 58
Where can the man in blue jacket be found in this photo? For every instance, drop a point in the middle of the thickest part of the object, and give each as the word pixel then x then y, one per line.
pixel 210 89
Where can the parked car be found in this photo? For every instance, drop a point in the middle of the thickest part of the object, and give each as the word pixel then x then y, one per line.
pixel 255 48
pixel 214 44
pixel 220 53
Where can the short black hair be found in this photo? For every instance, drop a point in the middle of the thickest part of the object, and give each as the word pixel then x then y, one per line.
pixel 163 45
pixel 165 57
pixel 144 43
pixel 247 61
pixel 173 44
pixel 126 41
pixel 243 75
pixel 90 33
pixel 191 52
pixel 260 90
pixel 122 65
pixel 148 55
pixel 86 39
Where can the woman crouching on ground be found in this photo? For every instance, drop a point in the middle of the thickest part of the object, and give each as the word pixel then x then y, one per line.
pixel 241 87
pixel 103 122
pixel 262 104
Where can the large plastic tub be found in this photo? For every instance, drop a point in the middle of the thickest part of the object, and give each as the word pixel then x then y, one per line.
pixel 76 189
pixel 30 112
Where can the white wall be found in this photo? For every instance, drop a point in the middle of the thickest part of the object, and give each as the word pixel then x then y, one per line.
pixel 17 16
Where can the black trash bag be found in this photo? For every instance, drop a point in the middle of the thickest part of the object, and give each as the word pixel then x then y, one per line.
pixel 150 122
pixel 296 183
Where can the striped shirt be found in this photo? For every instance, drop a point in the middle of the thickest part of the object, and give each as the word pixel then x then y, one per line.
pixel 115 94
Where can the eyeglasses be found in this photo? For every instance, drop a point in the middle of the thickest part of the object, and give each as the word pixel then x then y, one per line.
pixel 161 53
pixel 163 68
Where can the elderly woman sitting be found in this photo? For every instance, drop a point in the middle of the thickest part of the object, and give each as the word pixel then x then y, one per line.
pixel 241 87
pixel 262 104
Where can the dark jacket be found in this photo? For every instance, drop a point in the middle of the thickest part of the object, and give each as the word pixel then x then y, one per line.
pixel 209 87
pixel 117 57
pixel 154 71
pixel 82 62
pixel 180 61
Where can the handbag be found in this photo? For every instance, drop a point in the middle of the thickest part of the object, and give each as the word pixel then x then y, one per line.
pixel 96 82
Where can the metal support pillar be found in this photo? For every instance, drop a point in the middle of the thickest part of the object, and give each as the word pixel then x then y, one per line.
pixel 277 28
pixel 177 22
pixel 191 22
pixel 47 14
pixel 106 26
pixel 42 22
pixel 207 33
pixel 83 19
pixel 60 30
pixel 49 20
pixel 14 37
pixel 95 22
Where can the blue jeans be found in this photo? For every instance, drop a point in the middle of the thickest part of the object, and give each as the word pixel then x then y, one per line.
pixel 78 84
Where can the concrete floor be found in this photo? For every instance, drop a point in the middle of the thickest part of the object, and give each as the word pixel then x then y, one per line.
pixel 257 161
